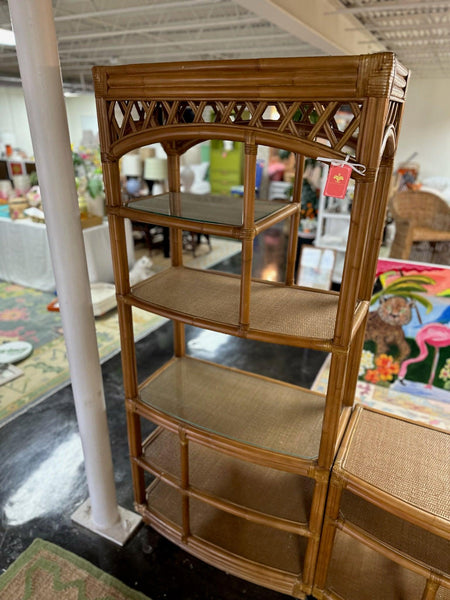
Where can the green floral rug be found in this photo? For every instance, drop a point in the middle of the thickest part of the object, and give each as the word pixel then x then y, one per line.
pixel 46 572
pixel 24 316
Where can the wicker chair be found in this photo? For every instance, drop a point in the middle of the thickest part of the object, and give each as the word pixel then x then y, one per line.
pixel 419 217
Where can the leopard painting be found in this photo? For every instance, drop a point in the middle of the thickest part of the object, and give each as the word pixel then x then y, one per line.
pixel 385 327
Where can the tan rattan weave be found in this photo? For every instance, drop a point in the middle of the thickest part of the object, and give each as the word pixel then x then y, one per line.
pixel 419 216
pixel 214 298
pixel 443 594
pixel 239 406
pixel 382 448
pixel 388 493
pixel 410 539
pixel 359 573
pixel 277 549
pixel 240 483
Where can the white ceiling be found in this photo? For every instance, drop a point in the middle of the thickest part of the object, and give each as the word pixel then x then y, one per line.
pixel 131 31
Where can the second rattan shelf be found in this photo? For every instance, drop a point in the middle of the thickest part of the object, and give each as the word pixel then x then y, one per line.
pixel 278 313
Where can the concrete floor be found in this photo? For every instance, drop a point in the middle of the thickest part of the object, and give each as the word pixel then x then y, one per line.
pixel 42 478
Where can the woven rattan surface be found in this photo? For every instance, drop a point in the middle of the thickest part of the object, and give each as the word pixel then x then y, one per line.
pixel 224 210
pixel 215 297
pixel 259 488
pixel 443 594
pixel 259 543
pixel 360 573
pixel 413 541
pixel 250 409
pixel 419 216
pixel 404 459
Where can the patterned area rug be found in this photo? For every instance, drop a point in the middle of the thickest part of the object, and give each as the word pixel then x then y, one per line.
pixel 24 316
pixel 46 572
pixel 417 408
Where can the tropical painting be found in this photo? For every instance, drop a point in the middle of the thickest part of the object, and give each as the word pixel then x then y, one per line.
pixel 407 340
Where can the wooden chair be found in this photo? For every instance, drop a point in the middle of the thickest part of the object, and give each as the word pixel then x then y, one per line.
pixel 386 531
pixel 419 217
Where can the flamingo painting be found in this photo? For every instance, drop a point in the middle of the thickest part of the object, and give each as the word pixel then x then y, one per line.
pixel 433 334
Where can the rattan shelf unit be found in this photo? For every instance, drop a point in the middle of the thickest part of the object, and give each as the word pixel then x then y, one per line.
pixel 389 509
pixel 241 463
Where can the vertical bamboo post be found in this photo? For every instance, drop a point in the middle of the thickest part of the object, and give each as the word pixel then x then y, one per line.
pixel 430 591
pixel 372 127
pixel 248 227
pixel 332 412
pixel 328 531
pixel 315 526
pixel 111 175
pixel 369 267
pixel 184 458
pixel 176 242
pixel 295 220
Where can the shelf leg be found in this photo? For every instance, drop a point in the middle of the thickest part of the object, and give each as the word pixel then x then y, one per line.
pixel 328 533
pixel 354 358
pixel 430 591
pixel 315 526
pixel 295 220
pixel 333 407
pixel 184 457
pixel 248 226
pixel 176 242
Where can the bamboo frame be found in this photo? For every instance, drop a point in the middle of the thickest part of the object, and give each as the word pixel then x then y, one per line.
pixel 344 479
pixel 144 104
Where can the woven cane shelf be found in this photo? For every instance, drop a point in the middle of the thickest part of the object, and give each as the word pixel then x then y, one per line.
pixel 389 498
pixel 374 571
pixel 210 299
pixel 236 486
pixel 241 463
pixel 245 549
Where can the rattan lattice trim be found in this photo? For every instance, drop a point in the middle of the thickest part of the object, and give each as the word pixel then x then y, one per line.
pixel 329 124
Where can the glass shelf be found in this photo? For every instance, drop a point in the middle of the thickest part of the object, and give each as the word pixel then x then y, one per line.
pixel 216 210
pixel 242 407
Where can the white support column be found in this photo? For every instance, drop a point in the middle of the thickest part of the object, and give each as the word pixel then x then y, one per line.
pixel 42 86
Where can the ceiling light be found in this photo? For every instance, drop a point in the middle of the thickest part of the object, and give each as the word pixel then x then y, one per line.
pixel 7 38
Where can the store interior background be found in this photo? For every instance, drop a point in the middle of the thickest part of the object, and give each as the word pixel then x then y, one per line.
pixel 419 36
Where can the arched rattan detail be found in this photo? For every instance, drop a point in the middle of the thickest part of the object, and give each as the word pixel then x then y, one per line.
pixel 389 144
pixel 187 136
